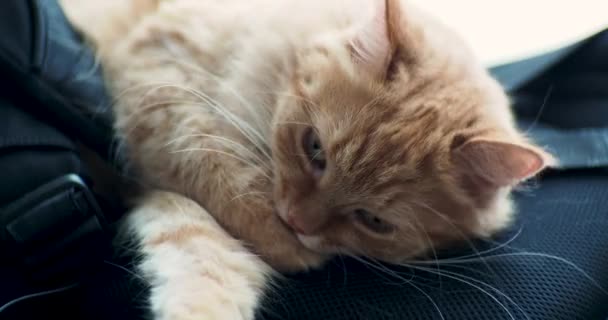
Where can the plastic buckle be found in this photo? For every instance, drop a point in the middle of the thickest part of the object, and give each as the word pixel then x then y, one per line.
pixel 51 229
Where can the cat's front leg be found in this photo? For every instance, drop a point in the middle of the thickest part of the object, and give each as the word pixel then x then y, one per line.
pixel 194 268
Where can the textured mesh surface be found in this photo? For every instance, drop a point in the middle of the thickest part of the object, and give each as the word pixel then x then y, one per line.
pixel 553 269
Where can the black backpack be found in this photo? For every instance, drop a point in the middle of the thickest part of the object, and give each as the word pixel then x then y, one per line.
pixel 55 227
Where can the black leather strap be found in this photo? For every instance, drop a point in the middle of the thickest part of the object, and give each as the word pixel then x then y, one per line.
pixel 51 232
pixel 52 96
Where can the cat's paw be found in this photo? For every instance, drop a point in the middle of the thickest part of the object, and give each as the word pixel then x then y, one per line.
pixel 194 314
pixel 223 286
pixel 195 269
pixel 182 308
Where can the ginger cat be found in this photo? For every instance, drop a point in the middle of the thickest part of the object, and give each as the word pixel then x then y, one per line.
pixel 273 134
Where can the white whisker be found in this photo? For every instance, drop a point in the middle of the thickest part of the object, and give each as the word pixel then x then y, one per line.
pixel 477 254
pixel 378 266
pixel 227 141
pixel 369 262
pixel 293 123
pixel 251 134
pixel 243 160
pixel 462 234
pixel 530 254
pixel 144 280
pixel 466 280
pixel 429 242
pixel 254 111
pixel 430 299
pixel 242 126
pixel 540 110
pixel 247 194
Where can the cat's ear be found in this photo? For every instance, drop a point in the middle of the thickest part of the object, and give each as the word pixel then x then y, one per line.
pixel 496 163
pixel 374 45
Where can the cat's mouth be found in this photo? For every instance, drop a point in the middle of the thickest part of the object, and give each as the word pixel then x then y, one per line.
pixel 311 242
pixel 284 223
pixel 293 229
pixel 282 210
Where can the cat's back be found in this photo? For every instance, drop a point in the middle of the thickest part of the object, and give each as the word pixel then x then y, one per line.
pixel 246 44
pixel 110 21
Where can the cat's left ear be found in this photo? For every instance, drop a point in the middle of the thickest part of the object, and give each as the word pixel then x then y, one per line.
pixel 499 163
pixel 375 44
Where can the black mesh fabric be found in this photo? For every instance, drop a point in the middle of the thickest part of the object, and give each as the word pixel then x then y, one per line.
pixel 554 266
pixel 551 265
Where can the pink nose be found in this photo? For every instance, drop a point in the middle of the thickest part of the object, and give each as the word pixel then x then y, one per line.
pixel 298 226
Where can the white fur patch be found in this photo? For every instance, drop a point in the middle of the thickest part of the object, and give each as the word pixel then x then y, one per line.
pixel 311 242
pixel 204 275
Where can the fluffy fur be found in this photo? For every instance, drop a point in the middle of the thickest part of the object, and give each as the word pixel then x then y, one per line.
pixel 216 101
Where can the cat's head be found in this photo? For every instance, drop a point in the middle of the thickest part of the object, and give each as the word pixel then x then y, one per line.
pixel 398 141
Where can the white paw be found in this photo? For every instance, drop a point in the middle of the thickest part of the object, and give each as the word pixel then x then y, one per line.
pixel 204 303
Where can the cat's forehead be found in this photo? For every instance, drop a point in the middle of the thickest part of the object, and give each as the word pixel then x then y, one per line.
pixel 394 141
pixel 379 153
pixel 382 135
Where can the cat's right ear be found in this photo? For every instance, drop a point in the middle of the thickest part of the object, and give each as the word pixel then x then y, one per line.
pixel 374 45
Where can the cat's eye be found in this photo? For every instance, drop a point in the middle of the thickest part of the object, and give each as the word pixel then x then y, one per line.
pixel 372 222
pixel 314 151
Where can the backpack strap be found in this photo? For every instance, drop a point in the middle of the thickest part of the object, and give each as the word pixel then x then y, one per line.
pixel 49 71
pixel 560 99
pixel 52 99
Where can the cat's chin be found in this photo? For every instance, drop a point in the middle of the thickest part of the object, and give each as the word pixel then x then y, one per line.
pixel 286 253
pixel 296 257
pixel 315 243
